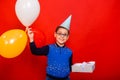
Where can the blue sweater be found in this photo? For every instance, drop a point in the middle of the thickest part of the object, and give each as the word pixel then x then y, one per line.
pixel 59 59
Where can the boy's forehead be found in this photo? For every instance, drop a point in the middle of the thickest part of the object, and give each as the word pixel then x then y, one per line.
pixel 62 29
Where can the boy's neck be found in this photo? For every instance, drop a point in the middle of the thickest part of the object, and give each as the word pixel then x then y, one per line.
pixel 60 45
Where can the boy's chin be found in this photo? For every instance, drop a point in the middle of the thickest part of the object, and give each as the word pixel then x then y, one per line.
pixel 62 43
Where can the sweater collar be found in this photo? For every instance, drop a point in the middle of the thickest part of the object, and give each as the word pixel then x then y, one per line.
pixel 59 46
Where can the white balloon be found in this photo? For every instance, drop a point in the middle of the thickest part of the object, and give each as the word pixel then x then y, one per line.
pixel 27 11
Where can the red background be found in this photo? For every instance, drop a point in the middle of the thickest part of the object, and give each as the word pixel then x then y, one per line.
pixel 95 32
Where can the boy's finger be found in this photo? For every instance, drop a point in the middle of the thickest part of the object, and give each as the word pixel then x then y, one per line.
pixel 26 29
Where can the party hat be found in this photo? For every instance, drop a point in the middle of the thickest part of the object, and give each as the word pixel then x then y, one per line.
pixel 66 23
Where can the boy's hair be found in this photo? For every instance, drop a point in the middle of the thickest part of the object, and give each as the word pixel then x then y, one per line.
pixel 62 27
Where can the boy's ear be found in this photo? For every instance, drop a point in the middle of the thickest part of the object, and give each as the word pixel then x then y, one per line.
pixel 68 37
pixel 54 34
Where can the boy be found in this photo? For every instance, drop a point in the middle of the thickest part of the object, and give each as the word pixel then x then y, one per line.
pixel 59 56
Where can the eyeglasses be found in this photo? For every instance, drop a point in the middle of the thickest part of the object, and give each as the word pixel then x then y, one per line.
pixel 60 34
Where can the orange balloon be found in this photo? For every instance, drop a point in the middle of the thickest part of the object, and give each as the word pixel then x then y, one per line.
pixel 1 43
pixel 12 43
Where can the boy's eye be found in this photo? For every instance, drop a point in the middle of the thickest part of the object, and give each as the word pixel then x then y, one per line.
pixel 60 34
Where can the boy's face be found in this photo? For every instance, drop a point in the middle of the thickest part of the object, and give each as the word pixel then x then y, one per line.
pixel 61 36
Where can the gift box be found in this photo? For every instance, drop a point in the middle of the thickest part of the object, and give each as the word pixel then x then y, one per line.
pixel 86 67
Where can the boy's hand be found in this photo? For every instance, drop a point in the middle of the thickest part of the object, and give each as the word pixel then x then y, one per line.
pixel 30 34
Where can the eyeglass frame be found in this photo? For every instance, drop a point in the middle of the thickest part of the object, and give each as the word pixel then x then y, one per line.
pixel 64 35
